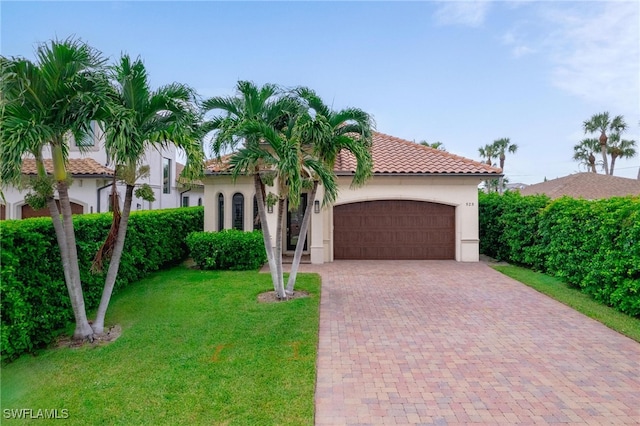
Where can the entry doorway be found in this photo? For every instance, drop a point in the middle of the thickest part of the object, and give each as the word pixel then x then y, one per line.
pixel 294 223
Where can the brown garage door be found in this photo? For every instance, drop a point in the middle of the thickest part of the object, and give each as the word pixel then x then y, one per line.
pixel 28 211
pixel 394 229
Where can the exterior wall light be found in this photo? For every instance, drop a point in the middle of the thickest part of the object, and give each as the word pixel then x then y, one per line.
pixel 269 209
pixel 316 206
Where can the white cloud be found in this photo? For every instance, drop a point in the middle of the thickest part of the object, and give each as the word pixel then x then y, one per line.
pixel 596 53
pixel 518 46
pixel 466 13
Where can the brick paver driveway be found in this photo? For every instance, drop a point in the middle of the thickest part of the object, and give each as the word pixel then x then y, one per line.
pixel 440 342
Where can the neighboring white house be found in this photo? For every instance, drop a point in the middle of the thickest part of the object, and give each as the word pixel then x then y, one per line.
pixel 92 174
pixel 422 203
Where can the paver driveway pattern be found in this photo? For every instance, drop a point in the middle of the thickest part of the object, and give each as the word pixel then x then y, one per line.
pixel 441 342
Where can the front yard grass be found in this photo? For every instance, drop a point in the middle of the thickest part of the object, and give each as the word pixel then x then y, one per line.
pixel 553 287
pixel 196 348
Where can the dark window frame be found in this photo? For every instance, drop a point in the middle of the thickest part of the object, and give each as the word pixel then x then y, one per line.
pixel 166 175
pixel 220 212
pixel 237 212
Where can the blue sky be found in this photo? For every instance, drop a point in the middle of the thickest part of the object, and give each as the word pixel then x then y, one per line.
pixel 463 73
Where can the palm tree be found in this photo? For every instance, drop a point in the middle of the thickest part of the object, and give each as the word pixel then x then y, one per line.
pixel 325 134
pixel 140 118
pixel 603 124
pixel 43 103
pixel 620 148
pixel 487 153
pixel 584 153
pixel 241 121
pixel 281 155
pixel 501 146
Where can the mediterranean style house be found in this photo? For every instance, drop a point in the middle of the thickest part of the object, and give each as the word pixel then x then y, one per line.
pixel 421 203
pixel 92 174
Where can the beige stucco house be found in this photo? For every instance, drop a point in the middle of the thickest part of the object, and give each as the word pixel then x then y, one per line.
pixel 421 203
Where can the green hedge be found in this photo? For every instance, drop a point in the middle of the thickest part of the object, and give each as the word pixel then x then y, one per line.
pixel 228 249
pixel 592 245
pixel 34 300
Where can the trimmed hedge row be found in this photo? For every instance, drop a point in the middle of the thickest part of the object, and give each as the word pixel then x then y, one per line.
pixel 33 296
pixel 592 245
pixel 228 249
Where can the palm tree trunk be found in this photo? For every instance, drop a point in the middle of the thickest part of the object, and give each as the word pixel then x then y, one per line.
pixel 501 180
pixel 280 292
pixel 603 150
pixel 613 164
pixel 57 223
pixel 114 263
pixel 266 236
pixel 60 237
pixel 83 330
pixel 301 240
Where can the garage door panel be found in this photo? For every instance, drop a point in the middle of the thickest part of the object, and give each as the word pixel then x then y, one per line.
pixel 394 229
pixel 378 221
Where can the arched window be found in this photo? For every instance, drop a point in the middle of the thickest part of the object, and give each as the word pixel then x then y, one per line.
pixel 220 212
pixel 257 225
pixel 237 214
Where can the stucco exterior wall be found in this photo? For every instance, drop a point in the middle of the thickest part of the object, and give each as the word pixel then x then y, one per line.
pixel 223 184
pixel 82 191
pixel 214 186
pixel 458 191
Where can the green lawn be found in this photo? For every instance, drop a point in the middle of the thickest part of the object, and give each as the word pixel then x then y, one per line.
pixel 196 348
pixel 553 287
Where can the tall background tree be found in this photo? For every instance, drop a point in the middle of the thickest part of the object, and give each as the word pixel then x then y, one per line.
pixel 620 148
pixel 43 105
pixel 487 153
pixel 500 148
pixel 603 124
pixel 140 118
pixel 584 153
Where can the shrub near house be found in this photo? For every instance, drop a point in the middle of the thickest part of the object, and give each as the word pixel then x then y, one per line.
pixel 592 245
pixel 228 249
pixel 34 300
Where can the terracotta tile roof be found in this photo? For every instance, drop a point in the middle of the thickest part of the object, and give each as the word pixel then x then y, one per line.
pixel 393 155
pixel 76 167
pixel 216 165
pixel 590 186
